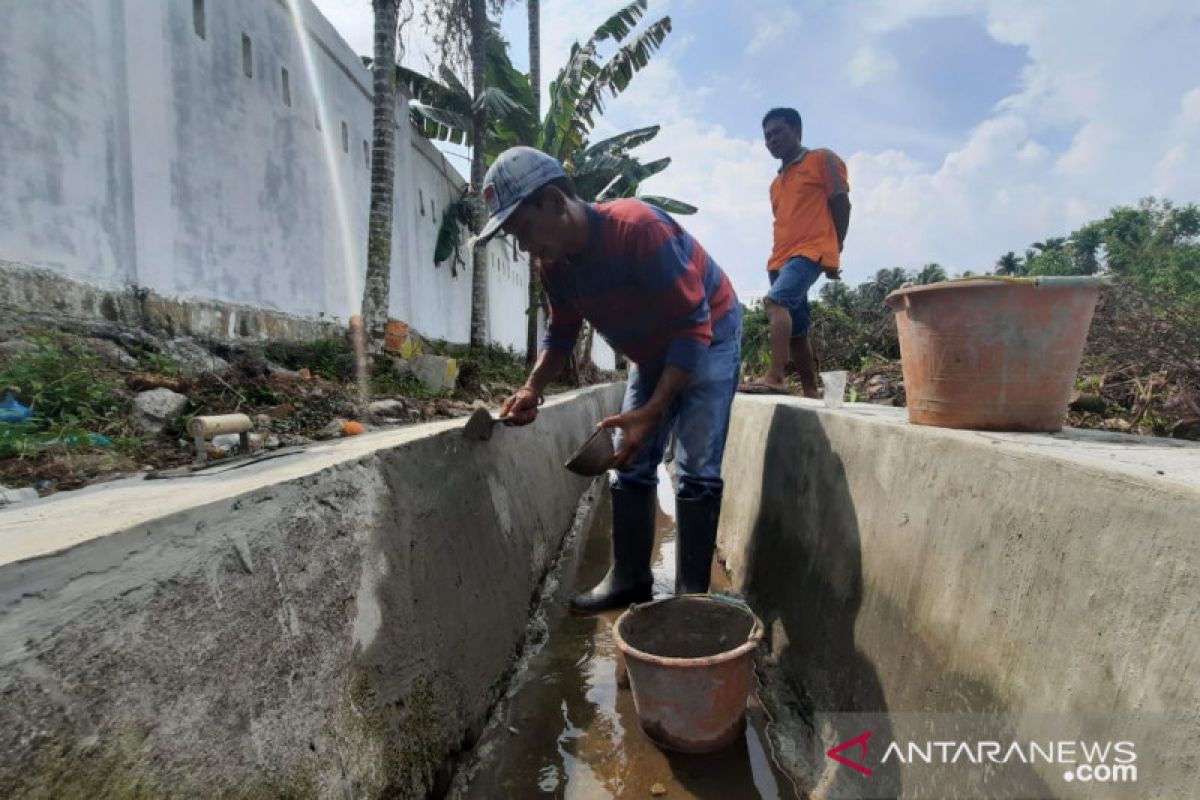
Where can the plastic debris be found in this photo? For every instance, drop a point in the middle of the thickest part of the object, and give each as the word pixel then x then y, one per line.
pixel 71 439
pixel 12 411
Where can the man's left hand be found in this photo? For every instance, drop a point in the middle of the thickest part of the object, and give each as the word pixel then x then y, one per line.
pixel 637 425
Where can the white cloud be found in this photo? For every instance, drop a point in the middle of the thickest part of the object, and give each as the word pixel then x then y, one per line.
pixel 780 25
pixel 882 16
pixel 1121 79
pixel 1092 143
pixel 1116 79
pixel 727 177
pixel 1033 154
pixel 868 65
pixel 1178 172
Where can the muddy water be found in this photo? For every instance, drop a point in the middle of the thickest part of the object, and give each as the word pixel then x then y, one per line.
pixel 571 731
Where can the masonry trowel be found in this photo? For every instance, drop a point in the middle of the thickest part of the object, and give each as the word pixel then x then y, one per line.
pixel 479 426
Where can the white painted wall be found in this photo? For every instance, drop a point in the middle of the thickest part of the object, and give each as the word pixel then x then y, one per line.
pixel 65 197
pixel 136 152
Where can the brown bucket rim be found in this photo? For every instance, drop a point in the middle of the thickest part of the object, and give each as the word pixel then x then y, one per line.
pixel 752 640
pixel 996 281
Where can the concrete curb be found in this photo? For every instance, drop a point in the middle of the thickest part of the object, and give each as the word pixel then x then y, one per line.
pixel 330 624
pixel 907 569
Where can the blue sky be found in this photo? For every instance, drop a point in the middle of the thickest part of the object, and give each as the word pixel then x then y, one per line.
pixel 970 127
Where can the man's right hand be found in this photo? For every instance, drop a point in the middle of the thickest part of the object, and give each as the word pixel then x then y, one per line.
pixel 521 408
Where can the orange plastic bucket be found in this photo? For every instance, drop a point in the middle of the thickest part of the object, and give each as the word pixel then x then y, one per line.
pixel 691 668
pixel 993 354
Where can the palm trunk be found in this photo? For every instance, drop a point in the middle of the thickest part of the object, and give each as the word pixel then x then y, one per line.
pixel 479 277
pixel 535 82
pixel 535 55
pixel 383 149
pixel 581 357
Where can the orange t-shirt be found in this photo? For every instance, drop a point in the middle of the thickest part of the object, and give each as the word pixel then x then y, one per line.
pixel 800 197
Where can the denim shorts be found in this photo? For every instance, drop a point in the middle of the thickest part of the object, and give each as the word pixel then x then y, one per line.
pixel 699 417
pixel 789 288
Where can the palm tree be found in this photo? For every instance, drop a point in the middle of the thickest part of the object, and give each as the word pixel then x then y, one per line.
pixel 872 293
pixel 1009 264
pixel 376 287
pixel 533 7
pixel 479 26
pixel 462 30
pixel 931 273
pixel 837 295
pixel 1053 244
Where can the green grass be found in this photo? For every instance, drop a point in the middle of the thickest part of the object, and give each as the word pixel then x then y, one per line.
pixel 332 359
pixel 157 363
pixel 69 391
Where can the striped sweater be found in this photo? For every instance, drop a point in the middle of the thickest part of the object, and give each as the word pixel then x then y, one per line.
pixel 645 284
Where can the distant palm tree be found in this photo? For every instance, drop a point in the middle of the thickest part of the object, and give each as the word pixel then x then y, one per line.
pixel 1009 264
pixel 931 273
pixel 872 293
pixel 837 295
pixel 1050 245
pixel 892 279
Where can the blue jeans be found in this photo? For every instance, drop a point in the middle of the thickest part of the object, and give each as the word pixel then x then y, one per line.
pixel 699 417
pixel 789 288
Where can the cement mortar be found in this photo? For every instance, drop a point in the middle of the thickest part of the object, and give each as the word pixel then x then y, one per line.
pixel 901 568
pixel 332 624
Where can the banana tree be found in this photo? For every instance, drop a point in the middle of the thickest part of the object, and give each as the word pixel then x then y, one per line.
pixel 441 108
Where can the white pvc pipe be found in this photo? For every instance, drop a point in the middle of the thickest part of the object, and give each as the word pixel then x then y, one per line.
pixel 208 427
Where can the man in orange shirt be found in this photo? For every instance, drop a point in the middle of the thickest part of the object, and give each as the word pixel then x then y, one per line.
pixel 811 203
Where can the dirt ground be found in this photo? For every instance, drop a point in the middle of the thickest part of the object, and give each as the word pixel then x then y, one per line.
pixel 294 394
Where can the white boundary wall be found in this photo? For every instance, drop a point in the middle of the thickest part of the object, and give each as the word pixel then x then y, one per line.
pixel 147 147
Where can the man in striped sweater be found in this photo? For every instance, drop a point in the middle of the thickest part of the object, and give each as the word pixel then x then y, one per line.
pixel 653 292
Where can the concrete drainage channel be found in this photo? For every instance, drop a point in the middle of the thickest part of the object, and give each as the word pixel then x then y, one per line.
pixel 567 726
pixel 354 621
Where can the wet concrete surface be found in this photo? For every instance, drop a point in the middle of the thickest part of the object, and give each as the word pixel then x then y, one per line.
pixel 571 731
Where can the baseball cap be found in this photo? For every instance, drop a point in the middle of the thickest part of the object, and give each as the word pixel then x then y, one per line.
pixel 515 174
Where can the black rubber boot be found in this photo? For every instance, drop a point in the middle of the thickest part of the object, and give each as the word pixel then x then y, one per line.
pixel 629 579
pixel 695 541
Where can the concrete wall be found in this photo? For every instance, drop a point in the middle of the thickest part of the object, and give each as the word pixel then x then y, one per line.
pixel 335 623
pixel 906 569
pixel 140 153
pixel 65 166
